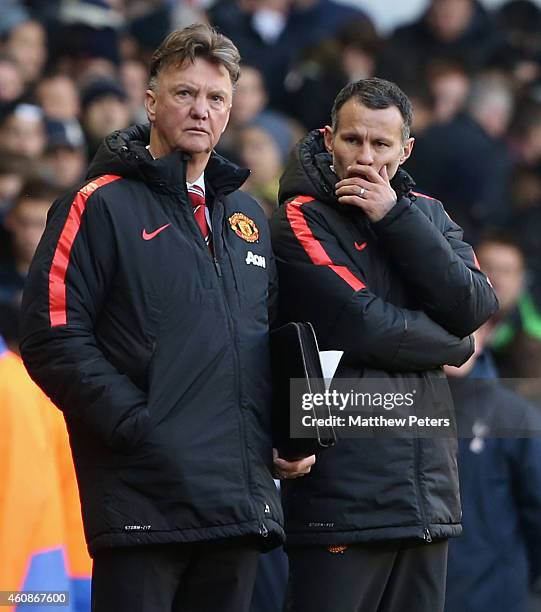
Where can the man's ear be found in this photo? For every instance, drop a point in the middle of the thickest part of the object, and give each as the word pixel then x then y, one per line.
pixel 407 148
pixel 150 104
pixel 328 138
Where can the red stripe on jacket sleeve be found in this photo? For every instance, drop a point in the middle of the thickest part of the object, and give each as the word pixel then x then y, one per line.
pixel 312 246
pixel 59 266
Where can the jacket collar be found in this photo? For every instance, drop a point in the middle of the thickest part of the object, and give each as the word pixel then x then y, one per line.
pixel 124 153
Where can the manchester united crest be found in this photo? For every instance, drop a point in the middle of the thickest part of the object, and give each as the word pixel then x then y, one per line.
pixel 244 227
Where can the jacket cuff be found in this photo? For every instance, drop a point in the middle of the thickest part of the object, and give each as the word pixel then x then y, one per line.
pixel 398 209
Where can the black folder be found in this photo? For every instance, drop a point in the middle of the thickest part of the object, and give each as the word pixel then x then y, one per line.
pixel 295 355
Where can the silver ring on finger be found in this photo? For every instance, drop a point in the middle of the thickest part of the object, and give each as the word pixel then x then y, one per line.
pixel 361 193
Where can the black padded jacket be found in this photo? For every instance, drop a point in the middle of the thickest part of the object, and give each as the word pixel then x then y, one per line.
pixel 400 297
pixel 156 351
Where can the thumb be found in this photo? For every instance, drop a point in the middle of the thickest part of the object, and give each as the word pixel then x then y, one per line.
pixel 383 174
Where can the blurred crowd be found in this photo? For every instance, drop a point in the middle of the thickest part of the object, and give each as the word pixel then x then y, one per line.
pixel 72 71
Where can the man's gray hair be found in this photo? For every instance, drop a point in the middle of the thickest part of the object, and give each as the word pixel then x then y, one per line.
pixel 196 40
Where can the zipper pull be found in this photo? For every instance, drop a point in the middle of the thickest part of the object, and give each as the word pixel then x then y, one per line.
pixel 267 509
pixel 218 268
pixel 427 535
pixel 263 530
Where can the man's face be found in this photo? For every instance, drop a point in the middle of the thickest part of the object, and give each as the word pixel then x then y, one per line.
pixel 26 223
pixel 504 266
pixel 105 115
pixel 367 137
pixel 449 19
pixel 27 44
pixel 23 134
pixel 65 165
pixel 58 97
pixel 250 96
pixel 190 108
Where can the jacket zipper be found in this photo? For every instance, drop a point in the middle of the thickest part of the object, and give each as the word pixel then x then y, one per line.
pixel 236 364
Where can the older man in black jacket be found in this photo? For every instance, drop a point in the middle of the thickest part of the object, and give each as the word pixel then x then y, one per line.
pixel 383 274
pixel 145 319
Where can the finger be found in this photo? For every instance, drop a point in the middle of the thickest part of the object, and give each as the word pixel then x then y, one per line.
pixel 354 181
pixel 366 172
pixel 353 201
pixel 352 190
pixel 384 175
pixel 295 466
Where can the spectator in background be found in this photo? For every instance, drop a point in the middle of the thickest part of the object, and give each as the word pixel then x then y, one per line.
pixel 259 151
pixel 492 566
pixel 86 39
pixel 104 110
pixel 26 43
pixel 25 222
pixel 134 80
pixel 455 29
pixel 465 163
pixel 449 82
pixel 149 21
pixel 64 161
pixel 12 13
pixel 516 338
pixel 22 132
pixel 525 144
pixel 422 100
pixel 250 104
pixel 271 34
pixel 58 97
pixel 13 169
pixel 41 532
pixel 520 54
pixel 11 81
pixel 323 69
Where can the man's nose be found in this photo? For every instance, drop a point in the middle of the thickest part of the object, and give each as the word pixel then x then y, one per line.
pixel 365 156
pixel 200 107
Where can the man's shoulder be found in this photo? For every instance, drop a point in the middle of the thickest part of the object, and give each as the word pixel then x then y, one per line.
pixel 91 187
pixel 431 207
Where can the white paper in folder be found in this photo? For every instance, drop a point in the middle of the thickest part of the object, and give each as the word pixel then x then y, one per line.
pixel 329 364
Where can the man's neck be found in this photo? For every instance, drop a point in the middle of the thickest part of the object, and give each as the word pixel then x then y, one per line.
pixel 196 164
pixel 195 169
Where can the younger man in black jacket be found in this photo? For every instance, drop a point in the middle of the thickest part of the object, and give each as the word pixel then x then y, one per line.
pixel 383 274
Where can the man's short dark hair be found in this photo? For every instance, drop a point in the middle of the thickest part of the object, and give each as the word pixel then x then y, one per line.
pixel 504 237
pixel 376 94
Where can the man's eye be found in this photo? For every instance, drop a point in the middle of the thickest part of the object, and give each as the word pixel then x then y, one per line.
pixel 183 93
pixel 381 144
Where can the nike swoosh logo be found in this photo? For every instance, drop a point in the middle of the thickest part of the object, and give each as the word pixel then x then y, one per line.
pixel 147 236
pixel 360 247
